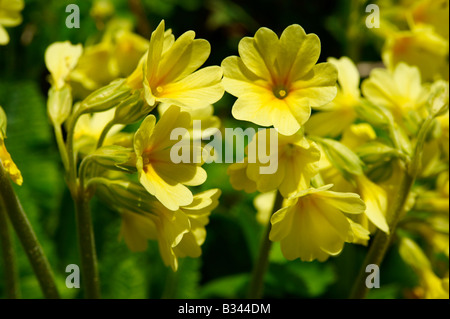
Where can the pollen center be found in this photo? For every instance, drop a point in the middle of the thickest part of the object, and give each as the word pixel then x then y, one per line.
pixel 159 89
pixel 280 92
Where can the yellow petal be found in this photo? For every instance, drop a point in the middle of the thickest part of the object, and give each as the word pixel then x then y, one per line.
pixel 154 53
pixel 348 75
pixel 375 198
pixel 350 203
pixel 298 52
pixel 199 88
pixel 136 230
pixel 253 107
pixel 184 57
pixel 145 131
pixel 317 87
pixel 61 58
pixel 239 80
pixel 259 53
pixel 239 179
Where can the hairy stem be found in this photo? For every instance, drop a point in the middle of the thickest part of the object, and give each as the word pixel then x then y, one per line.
pixel 256 287
pixel 105 132
pixel 27 237
pixel 382 241
pixel 9 257
pixel 86 244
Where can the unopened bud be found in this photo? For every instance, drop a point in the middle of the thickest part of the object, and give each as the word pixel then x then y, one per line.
pixel 438 101
pixel 59 104
pixel 132 109
pixel 341 157
pixel 375 115
pixel 2 123
pixel 115 157
pixel 106 97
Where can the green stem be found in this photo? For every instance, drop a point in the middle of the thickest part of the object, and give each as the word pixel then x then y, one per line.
pixel 256 287
pixel 105 132
pixel 9 258
pixel 72 165
pixel 86 243
pixel 27 237
pixel 61 146
pixel 382 241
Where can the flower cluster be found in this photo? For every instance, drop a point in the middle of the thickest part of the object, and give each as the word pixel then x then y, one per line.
pixel 277 82
pixel 341 168
pixel 134 172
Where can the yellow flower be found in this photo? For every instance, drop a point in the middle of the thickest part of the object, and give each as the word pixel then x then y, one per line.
pixel 89 127
pixel 60 59
pixel 157 172
pixel 277 80
pixel 168 73
pixel 312 224
pixel 5 157
pixel 117 55
pixel 420 47
pixel 180 233
pixel 210 124
pixel 239 179
pixel 297 162
pixel 325 123
pixel 400 90
pixel 433 13
pixel 9 17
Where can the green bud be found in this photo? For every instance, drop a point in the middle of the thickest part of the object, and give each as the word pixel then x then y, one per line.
pixel 115 157
pixel 124 194
pixel 379 171
pixel 438 101
pixel 59 104
pixel 132 109
pixel 372 114
pixel 343 158
pixel 373 152
pixel 2 123
pixel 106 97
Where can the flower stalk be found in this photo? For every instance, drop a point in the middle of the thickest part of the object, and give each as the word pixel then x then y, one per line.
pixel 27 237
pixel 256 287
pixel 9 258
pixel 86 244
pixel 383 240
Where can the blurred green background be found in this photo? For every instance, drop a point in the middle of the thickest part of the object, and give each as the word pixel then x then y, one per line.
pixel 233 233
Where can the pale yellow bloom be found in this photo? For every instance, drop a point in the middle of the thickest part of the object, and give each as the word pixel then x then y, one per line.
pixel 209 123
pixel 312 225
pixel 179 233
pixel 297 159
pixel 420 47
pixel 161 177
pixel 400 90
pixel 60 59
pixel 277 80
pixel 116 55
pixel 9 17
pixel 89 127
pixel 335 117
pixel 169 71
